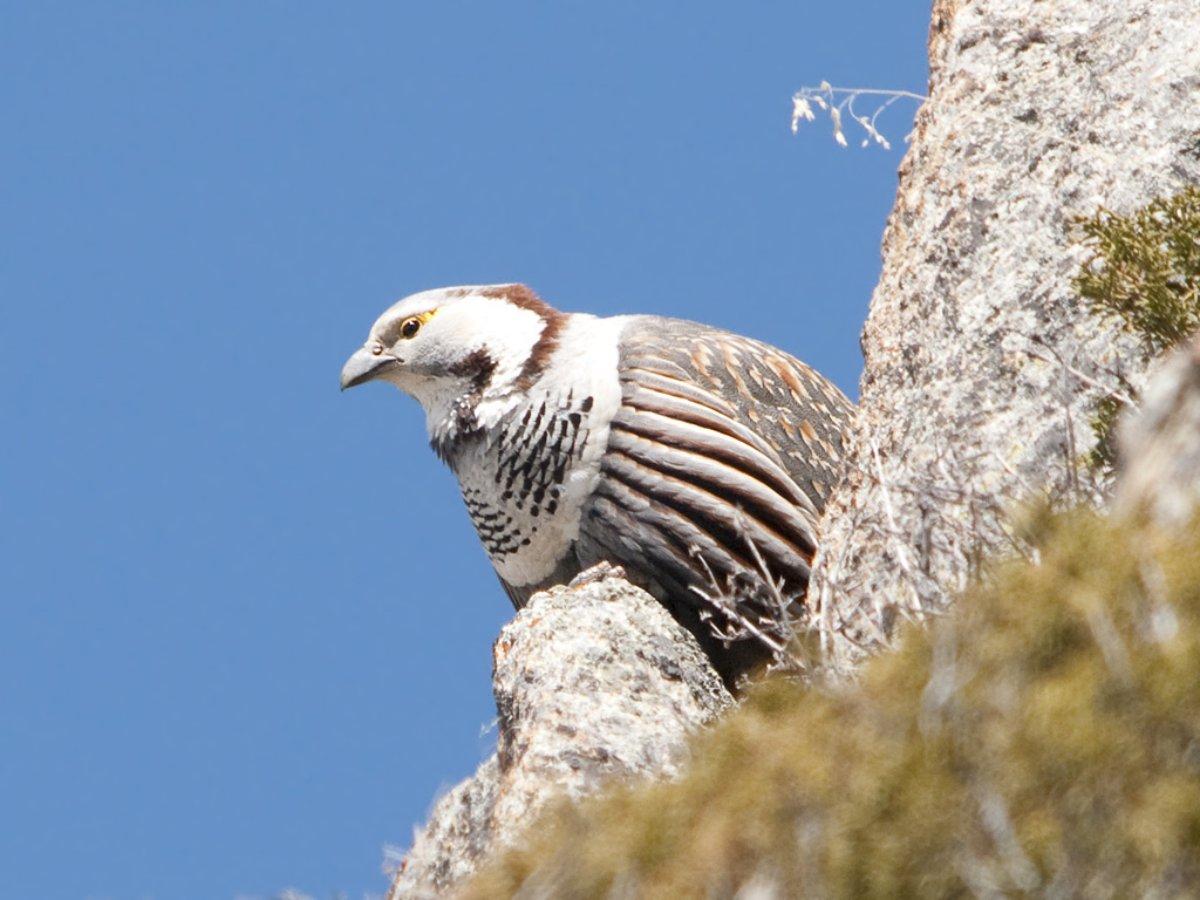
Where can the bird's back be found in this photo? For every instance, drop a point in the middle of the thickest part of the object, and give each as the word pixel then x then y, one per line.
pixel 717 467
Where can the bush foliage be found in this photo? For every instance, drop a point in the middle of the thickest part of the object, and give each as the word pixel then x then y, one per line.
pixel 1045 738
pixel 1144 270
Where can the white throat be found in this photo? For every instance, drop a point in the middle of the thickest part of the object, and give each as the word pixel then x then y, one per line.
pixel 486 344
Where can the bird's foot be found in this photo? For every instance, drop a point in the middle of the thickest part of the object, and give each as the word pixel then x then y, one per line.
pixel 598 572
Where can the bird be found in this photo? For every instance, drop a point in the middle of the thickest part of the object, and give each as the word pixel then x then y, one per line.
pixel 693 461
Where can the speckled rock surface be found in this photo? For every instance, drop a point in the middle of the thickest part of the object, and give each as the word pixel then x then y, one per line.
pixel 981 367
pixel 592 683
pixel 1160 444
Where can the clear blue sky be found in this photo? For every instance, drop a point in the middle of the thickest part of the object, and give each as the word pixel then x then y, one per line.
pixel 246 626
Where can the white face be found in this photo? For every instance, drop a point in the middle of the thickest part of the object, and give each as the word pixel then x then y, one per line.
pixel 433 345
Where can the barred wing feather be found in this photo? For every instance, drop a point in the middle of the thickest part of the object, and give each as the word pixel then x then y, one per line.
pixel 718 464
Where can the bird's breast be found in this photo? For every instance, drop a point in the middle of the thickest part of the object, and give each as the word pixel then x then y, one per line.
pixel 520 491
pixel 525 482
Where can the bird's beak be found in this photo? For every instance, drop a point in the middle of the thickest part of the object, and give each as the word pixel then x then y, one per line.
pixel 364 366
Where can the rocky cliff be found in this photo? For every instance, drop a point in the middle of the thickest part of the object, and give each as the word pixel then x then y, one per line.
pixel 981 364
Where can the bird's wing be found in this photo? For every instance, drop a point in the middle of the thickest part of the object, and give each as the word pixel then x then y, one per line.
pixel 720 458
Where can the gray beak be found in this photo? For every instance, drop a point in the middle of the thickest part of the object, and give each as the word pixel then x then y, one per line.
pixel 364 366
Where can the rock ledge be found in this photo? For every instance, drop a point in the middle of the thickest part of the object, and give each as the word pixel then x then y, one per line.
pixel 592 682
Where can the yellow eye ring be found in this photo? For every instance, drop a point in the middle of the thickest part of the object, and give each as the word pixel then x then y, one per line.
pixel 409 327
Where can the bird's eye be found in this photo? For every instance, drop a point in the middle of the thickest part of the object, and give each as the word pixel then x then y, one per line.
pixel 409 327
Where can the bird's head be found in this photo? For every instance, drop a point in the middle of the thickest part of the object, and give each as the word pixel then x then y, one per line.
pixel 444 345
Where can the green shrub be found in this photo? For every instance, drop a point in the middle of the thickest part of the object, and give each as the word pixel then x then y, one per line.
pixel 1045 738
pixel 1105 416
pixel 1144 270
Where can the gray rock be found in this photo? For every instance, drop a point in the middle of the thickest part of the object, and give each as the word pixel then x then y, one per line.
pixel 456 837
pixel 1160 444
pixel 981 366
pixel 593 682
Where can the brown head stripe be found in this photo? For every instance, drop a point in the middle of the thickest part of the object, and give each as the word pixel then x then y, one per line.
pixel 547 342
